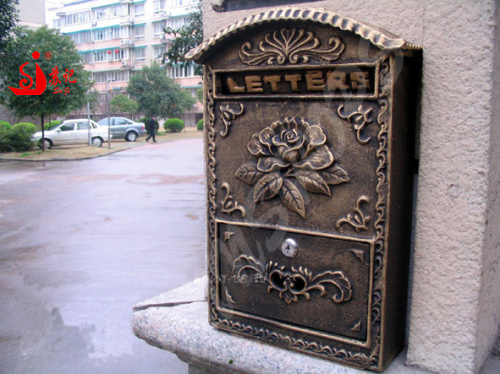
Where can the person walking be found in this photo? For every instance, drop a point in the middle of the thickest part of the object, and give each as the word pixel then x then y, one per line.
pixel 152 129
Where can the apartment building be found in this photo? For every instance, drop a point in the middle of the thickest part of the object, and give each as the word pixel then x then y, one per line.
pixel 116 38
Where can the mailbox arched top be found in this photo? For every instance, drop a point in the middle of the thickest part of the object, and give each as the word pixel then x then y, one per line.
pixel 379 38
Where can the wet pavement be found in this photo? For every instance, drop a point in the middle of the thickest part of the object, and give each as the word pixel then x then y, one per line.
pixel 82 241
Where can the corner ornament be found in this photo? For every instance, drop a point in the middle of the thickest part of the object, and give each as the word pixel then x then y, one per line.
pixel 228 116
pixel 297 282
pixel 359 119
pixel 291 154
pixel 229 205
pixel 290 46
pixel 357 219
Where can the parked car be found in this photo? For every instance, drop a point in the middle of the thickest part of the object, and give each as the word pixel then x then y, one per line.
pixel 124 128
pixel 72 131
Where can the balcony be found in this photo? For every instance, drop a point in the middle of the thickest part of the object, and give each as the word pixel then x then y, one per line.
pixel 127 21
pixel 126 43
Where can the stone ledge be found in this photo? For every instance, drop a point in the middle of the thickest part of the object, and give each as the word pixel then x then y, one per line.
pixel 177 321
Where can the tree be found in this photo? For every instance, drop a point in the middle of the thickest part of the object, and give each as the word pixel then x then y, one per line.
pixel 123 104
pixel 67 81
pixel 186 38
pixel 8 19
pixel 158 94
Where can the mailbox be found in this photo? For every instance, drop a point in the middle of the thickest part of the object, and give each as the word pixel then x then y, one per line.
pixel 309 127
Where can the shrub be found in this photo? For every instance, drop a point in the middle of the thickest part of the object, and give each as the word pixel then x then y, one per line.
pixel 5 139
pixel 51 124
pixel 174 125
pixel 17 138
pixel 199 125
pixel 5 125
pixel 28 127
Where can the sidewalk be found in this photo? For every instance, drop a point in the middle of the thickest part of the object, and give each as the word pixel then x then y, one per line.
pixel 82 152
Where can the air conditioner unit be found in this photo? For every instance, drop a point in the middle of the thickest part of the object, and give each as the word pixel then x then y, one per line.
pixel 165 13
pixel 94 23
pixel 125 42
pixel 124 63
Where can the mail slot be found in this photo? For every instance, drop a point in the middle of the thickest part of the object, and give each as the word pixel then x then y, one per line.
pixel 309 128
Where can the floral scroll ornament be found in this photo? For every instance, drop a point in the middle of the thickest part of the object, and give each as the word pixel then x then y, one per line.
pixel 292 46
pixel 228 116
pixel 291 153
pixel 357 219
pixel 359 119
pixel 297 282
pixel 229 205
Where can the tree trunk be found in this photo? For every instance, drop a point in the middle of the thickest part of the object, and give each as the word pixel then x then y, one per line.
pixel 43 134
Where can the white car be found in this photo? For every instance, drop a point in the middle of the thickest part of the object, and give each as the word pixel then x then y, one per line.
pixel 72 131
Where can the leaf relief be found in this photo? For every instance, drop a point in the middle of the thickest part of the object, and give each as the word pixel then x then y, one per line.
pixel 267 187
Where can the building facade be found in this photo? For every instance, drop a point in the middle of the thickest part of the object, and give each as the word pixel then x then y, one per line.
pixel 116 38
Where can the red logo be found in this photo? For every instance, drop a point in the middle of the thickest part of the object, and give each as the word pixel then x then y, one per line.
pixel 41 80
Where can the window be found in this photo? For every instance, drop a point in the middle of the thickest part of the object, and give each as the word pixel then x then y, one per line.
pixel 140 54
pixel 101 56
pixel 139 10
pixel 110 33
pixel 87 57
pixel 124 54
pixel 75 18
pixel 122 76
pixel 124 33
pixel 99 77
pixel 99 35
pixel 176 23
pixel 159 6
pixel 139 32
pixel 84 125
pixel 181 72
pixel 115 76
pixel 68 127
pixel 81 37
pixel 158 26
pixel 193 92
pixel 111 11
pixel 159 51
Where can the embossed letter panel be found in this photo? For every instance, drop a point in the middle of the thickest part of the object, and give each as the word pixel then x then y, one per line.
pixel 308 138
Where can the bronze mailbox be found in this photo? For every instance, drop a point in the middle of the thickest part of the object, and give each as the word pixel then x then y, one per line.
pixel 309 127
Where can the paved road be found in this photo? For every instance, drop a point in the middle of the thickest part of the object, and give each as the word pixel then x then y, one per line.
pixel 81 242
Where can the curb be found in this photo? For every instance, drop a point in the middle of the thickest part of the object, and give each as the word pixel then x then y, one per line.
pixel 4 159
pixel 134 145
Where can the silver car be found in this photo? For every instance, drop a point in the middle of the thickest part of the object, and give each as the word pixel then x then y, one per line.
pixel 124 128
pixel 72 131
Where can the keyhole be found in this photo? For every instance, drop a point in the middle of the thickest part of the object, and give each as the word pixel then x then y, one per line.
pixel 289 248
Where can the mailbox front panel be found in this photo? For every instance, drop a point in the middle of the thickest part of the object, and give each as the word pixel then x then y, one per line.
pixel 304 157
